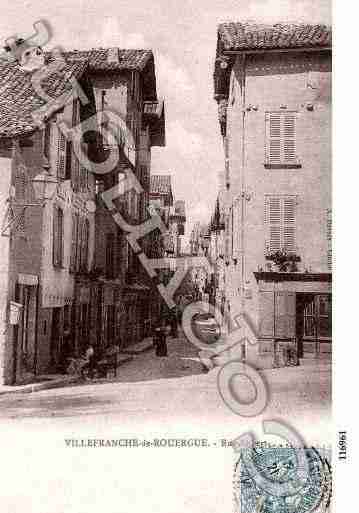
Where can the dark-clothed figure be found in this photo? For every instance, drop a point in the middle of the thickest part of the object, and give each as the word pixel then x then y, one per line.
pixel 159 339
pixel 174 322
pixel 90 362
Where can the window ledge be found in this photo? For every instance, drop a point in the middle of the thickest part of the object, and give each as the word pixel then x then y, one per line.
pixel 282 166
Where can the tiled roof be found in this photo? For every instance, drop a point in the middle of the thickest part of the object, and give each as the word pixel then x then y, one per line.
pixel 19 100
pixel 118 59
pixel 250 36
pixel 101 59
pixel 160 184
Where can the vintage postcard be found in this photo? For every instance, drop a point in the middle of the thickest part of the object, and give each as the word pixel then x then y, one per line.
pixel 166 257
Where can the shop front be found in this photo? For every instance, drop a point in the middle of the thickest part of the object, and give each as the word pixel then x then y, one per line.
pixel 294 308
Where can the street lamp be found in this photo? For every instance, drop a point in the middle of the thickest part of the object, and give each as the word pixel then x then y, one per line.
pixel 44 185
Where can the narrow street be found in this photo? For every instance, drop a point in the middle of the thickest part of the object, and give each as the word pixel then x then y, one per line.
pixel 164 390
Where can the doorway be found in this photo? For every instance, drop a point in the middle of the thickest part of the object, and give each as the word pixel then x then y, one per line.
pixel 55 337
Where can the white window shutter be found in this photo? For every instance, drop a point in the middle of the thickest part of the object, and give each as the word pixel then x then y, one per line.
pixel 280 147
pixel 289 138
pixel 61 154
pixel 274 223
pixel 273 137
pixel 289 221
pixel 280 221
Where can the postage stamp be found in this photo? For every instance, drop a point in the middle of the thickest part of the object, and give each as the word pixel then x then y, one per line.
pixel 282 480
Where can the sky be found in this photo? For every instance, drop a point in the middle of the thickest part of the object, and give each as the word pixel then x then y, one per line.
pixel 182 35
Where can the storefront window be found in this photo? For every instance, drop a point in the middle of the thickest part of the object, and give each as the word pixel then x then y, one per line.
pixel 317 316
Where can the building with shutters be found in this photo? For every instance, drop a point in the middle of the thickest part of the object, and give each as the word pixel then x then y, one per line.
pixel 273 90
pixel 39 255
pixel 121 306
pixel 173 213
pixel 65 264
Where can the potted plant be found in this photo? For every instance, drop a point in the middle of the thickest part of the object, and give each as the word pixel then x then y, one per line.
pixel 284 261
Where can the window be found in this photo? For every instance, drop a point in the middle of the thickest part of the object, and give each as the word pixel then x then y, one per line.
pixel 83 178
pixel 21 182
pixel 84 243
pixel 317 316
pixel 67 318
pixel 280 220
pixel 47 140
pixel 58 237
pixel 75 174
pixel 119 251
pixel 74 237
pixel 110 324
pixel 110 271
pixel 68 160
pixel 280 145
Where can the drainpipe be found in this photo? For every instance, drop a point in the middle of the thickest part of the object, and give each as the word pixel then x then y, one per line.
pixel 242 182
pixel 37 320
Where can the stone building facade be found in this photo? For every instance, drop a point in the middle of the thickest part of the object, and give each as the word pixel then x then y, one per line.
pixel 65 264
pixel 273 88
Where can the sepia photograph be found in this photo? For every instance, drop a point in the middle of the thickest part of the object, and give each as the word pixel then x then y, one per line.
pixel 166 255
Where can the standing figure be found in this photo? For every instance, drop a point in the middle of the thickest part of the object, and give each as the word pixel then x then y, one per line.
pixel 174 322
pixel 89 362
pixel 159 339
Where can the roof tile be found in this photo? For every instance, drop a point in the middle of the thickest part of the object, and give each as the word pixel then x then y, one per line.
pixel 253 36
pixel 100 59
pixel 19 100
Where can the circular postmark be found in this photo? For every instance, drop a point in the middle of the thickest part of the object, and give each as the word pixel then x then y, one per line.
pixel 274 480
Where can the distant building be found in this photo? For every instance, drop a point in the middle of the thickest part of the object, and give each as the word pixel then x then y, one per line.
pixel 172 212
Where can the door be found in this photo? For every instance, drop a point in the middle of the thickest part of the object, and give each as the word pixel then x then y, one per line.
pixel 27 330
pixel 55 337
